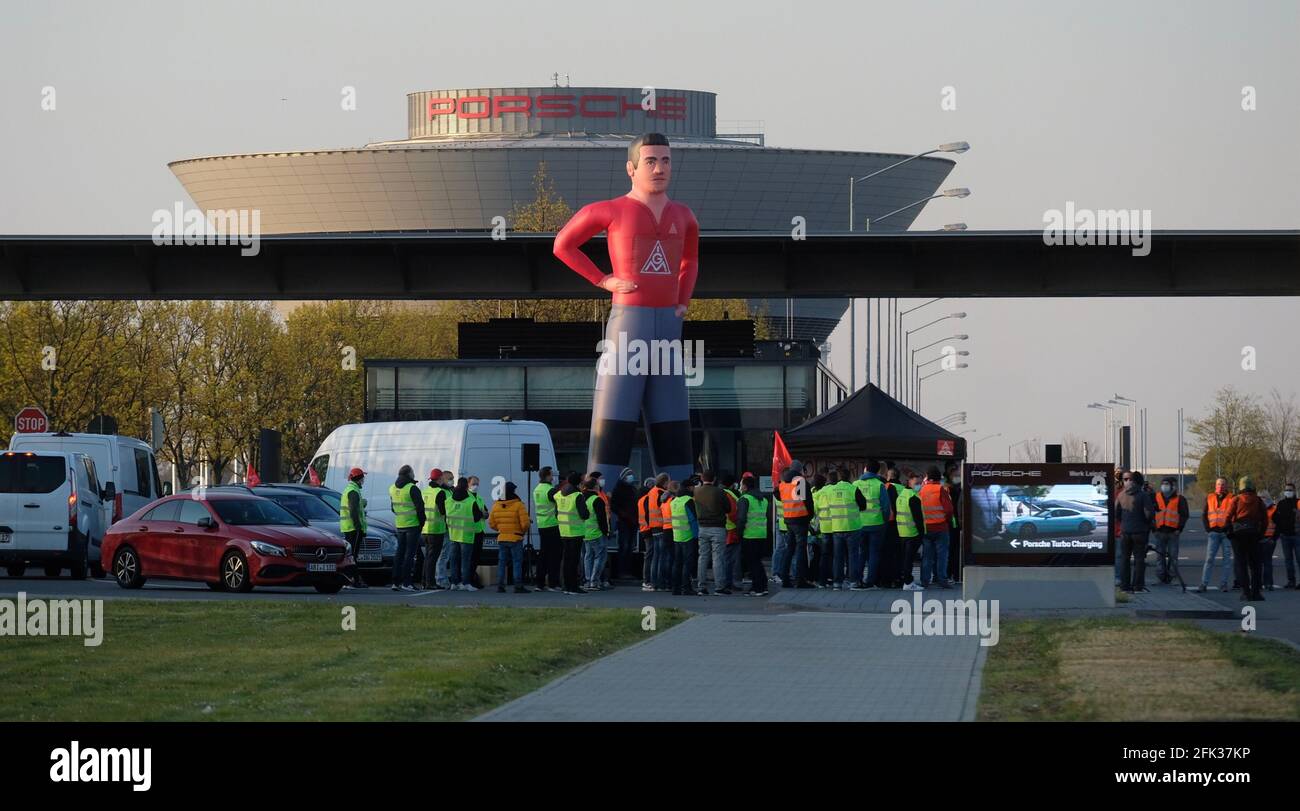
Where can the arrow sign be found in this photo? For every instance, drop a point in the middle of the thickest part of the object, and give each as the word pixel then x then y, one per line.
pixel 1015 544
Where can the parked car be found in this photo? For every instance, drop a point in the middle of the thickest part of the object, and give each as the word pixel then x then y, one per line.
pixel 228 538
pixel 1054 520
pixel 51 512
pixel 320 507
pixel 489 449
pixel 123 461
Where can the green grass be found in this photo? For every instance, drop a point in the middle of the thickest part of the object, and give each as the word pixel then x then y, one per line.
pixel 291 661
pixel 1123 670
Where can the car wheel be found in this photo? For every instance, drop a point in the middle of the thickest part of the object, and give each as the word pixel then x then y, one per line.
pixel 329 588
pixel 234 573
pixel 53 570
pixel 126 568
pixel 1085 527
pixel 1027 531
pixel 16 570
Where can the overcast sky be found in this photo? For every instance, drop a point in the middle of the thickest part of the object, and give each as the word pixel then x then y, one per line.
pixel 1105 104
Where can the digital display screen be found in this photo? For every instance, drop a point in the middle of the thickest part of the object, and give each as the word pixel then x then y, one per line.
pixel 1037 514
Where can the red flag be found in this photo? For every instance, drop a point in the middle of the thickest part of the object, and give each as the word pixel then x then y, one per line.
pixel 313 477
pixel 253 479
pixel 780 459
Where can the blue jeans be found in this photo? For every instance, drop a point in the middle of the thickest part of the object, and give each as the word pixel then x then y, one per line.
pixel 1216 541
pixel 839 543
pixel 593 563
pixel 510 553
pixel 934 557
pixel 797 549
pixel 874 547
pixel 781 556
pixel 1290 556
pixel 408 538
pixel 460 562
pixel 855 557
pixel 663 564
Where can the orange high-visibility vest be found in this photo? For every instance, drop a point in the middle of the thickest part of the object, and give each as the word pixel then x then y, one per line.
pixel 932 503
pixel 666 514
pixel 648 512
pixel 1167 513
pixel 1216 510
pixel 1272 528
pixel 791 506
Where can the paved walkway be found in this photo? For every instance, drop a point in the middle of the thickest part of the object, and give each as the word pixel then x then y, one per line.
pixel 768 668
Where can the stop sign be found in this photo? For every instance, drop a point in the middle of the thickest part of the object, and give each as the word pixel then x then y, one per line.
pixel 31 420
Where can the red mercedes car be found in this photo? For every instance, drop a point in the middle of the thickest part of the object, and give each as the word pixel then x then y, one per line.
pixel 230 539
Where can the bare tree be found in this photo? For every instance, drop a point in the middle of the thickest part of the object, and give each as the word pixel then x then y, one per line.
pixel 1072 448
pixel 1282 429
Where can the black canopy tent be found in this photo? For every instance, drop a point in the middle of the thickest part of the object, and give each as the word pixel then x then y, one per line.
pixel 871 424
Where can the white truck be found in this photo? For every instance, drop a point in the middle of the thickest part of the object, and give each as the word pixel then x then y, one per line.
pixel 52 512
pixel 489 449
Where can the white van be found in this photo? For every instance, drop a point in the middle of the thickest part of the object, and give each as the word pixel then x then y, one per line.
pixel 51 512
pixel 489 449
pixel 128 463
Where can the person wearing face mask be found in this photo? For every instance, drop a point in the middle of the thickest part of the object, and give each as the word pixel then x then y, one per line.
pixel 463 514
pixel 1268 544
pixel 1134 511
pixel 1171 517
pixel 602 583
pixel 442 572
pixel 1213 518
pixel 1284 522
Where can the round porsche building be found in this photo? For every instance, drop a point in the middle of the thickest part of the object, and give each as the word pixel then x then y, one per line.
pixel 470 155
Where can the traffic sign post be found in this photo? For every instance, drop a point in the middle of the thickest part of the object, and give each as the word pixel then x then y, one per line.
pixel 31 420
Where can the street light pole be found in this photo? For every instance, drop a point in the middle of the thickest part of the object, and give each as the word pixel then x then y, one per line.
pixel 956 147
pixel 981 439
pixel 917 407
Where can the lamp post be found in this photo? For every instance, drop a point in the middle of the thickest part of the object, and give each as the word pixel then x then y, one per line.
pixel 959 192
pixel 927 377
pixel 978 441
pixel 1107 433
pixel 896 341
pixel 916 368
pixel 956 147
pixel 907 342
pixel 1133 430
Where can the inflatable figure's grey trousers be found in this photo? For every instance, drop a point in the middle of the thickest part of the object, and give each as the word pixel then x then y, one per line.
pixel 657 393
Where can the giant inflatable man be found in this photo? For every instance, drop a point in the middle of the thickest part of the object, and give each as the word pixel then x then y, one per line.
pixel 654 251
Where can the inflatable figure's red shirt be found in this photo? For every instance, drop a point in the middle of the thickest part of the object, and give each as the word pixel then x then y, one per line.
pixel 660 258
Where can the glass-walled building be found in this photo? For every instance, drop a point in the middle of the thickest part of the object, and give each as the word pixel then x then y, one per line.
pixel 734 411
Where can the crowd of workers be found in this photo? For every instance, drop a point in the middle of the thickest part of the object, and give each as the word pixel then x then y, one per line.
pixel 842 528
pixel 1242 527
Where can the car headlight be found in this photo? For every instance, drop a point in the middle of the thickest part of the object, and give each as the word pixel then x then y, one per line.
pixel 268 549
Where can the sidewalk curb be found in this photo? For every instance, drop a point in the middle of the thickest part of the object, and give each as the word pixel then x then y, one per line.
pixel 558 680
pixel 971 704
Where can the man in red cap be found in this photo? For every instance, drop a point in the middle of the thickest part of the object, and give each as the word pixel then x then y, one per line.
pixel 434 531
pixel 352 518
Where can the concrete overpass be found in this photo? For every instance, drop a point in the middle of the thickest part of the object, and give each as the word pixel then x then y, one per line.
pixel 442 265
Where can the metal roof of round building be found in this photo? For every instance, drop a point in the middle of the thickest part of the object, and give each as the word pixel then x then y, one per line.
pixel 471 155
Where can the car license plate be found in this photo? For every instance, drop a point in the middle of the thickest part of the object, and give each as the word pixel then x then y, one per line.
pixel 369 557
pixel 322 567
pixel 5 538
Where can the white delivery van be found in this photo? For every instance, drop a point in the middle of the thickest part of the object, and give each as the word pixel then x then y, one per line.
pixel 128 463
pixel 51 512
pixel 489 449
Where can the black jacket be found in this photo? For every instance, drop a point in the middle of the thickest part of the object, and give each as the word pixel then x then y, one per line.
pixel 1284 517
